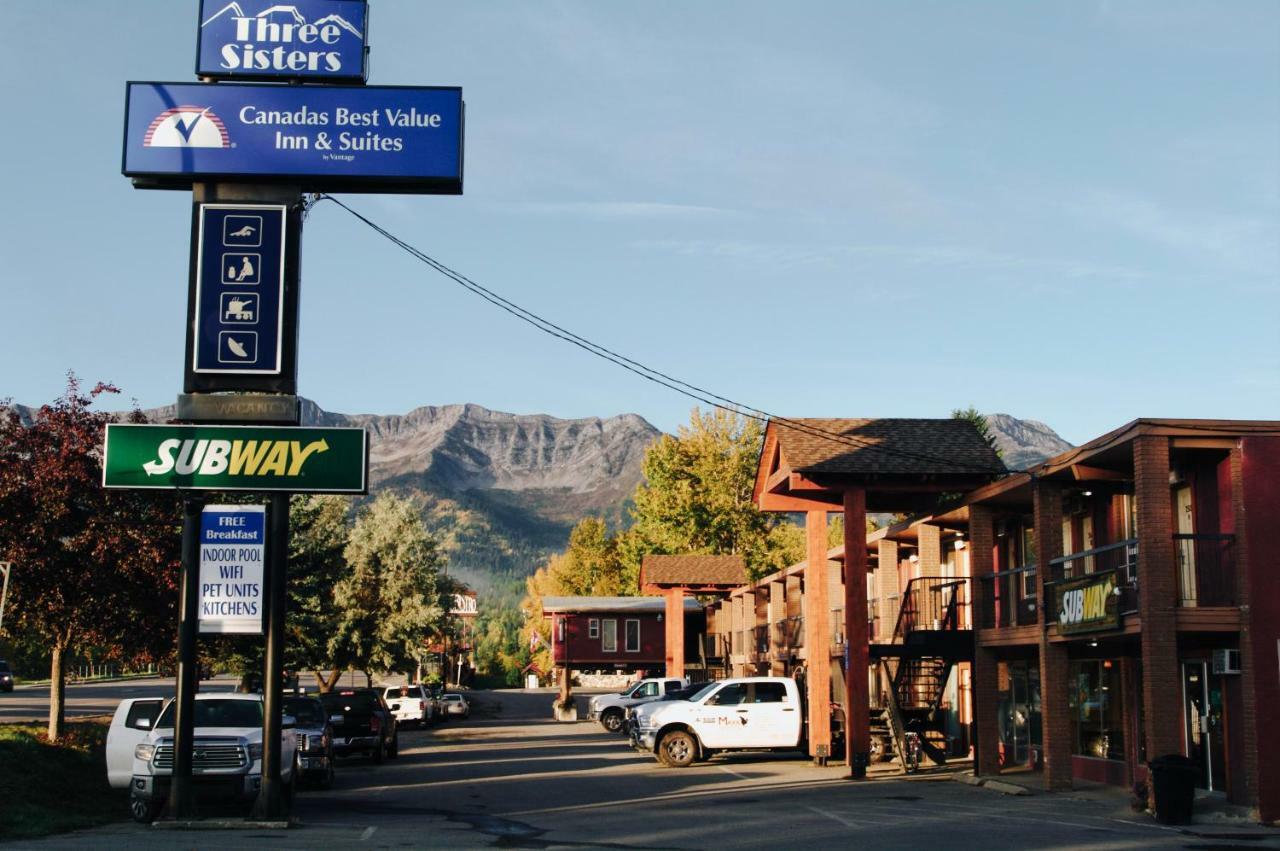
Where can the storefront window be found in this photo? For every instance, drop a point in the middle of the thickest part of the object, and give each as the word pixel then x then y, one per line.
pixel 1097 709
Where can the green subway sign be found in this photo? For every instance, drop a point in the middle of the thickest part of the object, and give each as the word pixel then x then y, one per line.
pixel 236 458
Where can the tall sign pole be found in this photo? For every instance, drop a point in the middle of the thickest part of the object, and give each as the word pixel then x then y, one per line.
pixel 249 151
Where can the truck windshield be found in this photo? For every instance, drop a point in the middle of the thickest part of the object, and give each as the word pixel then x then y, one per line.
pixel 219 713
pixel 702 692
pixel 306 711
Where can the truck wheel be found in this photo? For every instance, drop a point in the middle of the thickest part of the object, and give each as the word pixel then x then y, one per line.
pixel 881 749
pixel 611 720
pixel 143 812
pixel 395 747
pixel 380 752
pixel 678 749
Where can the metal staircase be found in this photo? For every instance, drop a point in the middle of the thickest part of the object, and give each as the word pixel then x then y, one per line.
pixel 930 636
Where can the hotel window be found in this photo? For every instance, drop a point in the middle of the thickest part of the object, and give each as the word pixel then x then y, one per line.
pixel 609 638
pixel 593 628
pixel 1097 709
pixel 633 636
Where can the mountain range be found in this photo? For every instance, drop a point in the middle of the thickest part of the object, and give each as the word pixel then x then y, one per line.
pixel 503 490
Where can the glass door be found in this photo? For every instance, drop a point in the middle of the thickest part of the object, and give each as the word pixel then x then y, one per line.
pixel 1204 729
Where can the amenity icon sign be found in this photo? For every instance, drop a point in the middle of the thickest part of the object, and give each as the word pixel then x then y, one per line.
pixel 239 301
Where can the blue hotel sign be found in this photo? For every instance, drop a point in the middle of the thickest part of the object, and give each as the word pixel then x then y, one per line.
pixel 401 139
pixel 239 299
pixel 312 40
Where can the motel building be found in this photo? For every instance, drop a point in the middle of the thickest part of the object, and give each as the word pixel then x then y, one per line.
pixel 1068 623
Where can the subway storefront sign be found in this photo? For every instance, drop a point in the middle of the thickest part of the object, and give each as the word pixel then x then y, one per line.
pixel 236 458
pixel 1087 603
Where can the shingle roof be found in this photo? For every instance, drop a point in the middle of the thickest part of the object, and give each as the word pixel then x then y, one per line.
pixel 692 570
pixel 612 604
pixel 887 446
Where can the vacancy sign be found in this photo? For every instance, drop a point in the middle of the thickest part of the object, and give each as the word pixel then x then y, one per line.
pixel 232 551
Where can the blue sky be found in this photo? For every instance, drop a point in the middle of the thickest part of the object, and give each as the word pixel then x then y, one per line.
pixel 1068 211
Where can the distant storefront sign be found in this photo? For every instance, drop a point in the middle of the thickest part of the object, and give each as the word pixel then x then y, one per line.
pixel 313 40
pixel 1087 603
pixel 399 139
pixel 236 458
pixel 232 551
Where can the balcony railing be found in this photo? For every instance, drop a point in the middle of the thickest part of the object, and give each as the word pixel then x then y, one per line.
pixel 760 641
pixel 1206 569
pixel 1120 558
pixel 1009 598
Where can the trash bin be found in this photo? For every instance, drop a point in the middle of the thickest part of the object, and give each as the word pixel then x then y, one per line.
pixel 1173 779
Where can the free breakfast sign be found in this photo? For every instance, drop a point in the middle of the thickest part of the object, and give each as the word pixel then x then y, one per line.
pixel 402 139
pixel 315 40
pixel 233 544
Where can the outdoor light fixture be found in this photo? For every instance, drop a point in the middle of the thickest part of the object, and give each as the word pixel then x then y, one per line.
pixel 1093 642
pixel 913 558
pixel 959 545
pixel 1088 493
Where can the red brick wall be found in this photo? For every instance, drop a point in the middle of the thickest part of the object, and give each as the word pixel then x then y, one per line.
pixel 1047 507
pixel 1157 597
pixel 1260 644
pixel 985 680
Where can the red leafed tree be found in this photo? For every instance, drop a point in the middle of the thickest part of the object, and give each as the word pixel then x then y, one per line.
pixel 91 567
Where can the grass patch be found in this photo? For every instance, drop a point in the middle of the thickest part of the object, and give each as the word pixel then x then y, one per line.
pixel 54 788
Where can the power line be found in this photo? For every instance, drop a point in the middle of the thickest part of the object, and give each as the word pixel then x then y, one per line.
pixel 655 376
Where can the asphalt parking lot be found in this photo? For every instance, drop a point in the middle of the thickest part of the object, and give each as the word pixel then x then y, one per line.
pixel 511 778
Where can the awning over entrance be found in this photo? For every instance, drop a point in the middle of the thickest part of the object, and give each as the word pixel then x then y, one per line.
pixel 852 466
pixel 674 576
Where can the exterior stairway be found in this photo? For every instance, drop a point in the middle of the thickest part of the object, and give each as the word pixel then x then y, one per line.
pixel 930 637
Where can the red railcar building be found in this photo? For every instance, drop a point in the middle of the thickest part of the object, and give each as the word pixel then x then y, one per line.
pixel 617 633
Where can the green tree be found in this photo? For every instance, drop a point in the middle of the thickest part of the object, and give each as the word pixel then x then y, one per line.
pixel 979 420
pixel 389 600
pixel 319 529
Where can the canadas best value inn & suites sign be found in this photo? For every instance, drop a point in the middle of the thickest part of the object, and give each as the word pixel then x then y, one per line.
pixel 314 40
pixel 403 139
pixel 234 457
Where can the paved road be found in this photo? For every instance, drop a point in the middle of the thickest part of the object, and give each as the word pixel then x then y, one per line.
pixel 511 778
pixel 31 703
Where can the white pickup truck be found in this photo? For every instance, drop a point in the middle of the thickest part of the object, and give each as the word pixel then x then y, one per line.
pixel 227 759
pixel 744 713
pixel 611 709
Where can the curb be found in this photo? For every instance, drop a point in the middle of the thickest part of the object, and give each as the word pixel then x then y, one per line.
pixel 994 785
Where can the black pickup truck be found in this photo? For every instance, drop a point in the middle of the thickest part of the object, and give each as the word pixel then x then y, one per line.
pixel 362 723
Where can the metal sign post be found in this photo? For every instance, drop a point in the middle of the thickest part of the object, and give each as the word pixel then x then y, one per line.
pixel 271 803
pixel 181 804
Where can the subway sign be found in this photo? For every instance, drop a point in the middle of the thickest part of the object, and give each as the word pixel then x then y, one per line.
pixel 403 139
pixel 236 458
pixel 313 40
pixel 1087 604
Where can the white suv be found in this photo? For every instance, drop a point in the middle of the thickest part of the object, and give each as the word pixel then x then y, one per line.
pixel 611 709
pixel 410 704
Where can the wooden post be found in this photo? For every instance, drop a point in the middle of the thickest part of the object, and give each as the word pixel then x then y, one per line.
pixel 857 700
pixel 675 632
pixel 817 634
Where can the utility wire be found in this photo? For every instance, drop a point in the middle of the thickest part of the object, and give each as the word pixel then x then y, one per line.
pixel 684 388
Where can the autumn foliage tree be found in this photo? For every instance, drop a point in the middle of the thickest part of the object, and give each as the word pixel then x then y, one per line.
pixel 91 567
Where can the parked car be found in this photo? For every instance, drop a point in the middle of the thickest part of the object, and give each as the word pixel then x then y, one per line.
pixel 455 705
pixel 314 739
pixel 410 704
pixel 679 694
pixel 611 709
pixel 744 713
pixel 227 757
pixel 362 723
pixel 6 676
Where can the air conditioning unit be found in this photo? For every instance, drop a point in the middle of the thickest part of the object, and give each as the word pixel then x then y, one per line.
pixel 1226 661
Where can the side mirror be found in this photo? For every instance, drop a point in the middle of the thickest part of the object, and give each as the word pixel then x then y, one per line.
pixel 393 707
pixel 143 723
pixel 288 721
